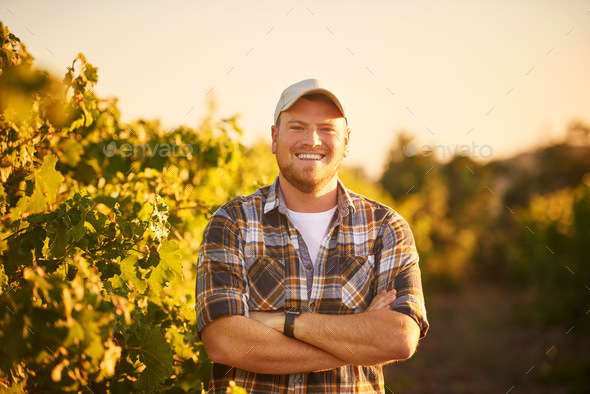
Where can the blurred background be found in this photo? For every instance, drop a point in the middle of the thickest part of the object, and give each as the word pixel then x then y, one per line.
pixel 509 75
pixel 470 119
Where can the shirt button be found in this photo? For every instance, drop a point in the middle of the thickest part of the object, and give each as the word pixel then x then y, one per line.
pixel 308 266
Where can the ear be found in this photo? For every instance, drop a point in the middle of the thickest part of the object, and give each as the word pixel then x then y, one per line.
pixel 346 141
pixel 274 133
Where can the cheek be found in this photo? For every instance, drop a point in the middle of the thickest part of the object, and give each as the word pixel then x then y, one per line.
pixel 285 143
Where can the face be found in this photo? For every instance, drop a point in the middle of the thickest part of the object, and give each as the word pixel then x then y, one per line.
pixel 310 144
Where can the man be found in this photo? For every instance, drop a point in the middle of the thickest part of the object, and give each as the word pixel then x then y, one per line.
pixel 305 286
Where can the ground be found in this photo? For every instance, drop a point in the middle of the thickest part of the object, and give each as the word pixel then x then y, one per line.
pixel 482 340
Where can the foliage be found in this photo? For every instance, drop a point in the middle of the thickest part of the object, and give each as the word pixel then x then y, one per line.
pixel 440 201
pixel 522 224
pixel 101 222
pixel 465 214
pixel 551 252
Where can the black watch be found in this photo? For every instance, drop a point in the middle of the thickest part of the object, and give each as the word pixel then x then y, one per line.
pixel 290 323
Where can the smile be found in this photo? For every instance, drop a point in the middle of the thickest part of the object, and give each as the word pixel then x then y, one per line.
pixel 310 156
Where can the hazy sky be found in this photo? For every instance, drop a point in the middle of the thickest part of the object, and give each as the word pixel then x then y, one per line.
pixel 505 74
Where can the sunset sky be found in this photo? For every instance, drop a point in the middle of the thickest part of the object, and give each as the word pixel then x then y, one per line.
pixel 509 75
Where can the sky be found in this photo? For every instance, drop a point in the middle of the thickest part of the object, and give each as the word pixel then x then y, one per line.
pixel 497 76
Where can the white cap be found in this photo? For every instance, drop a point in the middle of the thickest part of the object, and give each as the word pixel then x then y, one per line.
pixel 301 88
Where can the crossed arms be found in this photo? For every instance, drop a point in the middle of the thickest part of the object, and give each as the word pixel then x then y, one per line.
pixel 376 336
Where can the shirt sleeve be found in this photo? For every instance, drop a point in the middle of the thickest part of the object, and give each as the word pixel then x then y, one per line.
pixel 222 287
pixel 399 269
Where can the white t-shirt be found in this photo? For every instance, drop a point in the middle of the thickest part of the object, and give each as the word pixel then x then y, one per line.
pixel 313 227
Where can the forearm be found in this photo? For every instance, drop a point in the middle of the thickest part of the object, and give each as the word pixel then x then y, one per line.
pixel 247 344
pixel 368 338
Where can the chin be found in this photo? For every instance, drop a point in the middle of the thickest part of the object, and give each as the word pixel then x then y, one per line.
pixel 308 184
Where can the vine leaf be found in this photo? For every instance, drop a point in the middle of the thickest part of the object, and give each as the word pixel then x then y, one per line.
pixel 47 183
pixel 146 212
pixel 78 231
pixel 170 256
pixel 129 272
pixel 47 179
pixel 170 264
pixel 155 353
pixel 2 195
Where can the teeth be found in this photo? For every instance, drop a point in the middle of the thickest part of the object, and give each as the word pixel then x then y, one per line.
pixel 309 156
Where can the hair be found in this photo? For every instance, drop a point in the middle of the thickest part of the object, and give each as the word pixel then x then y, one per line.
pixel 310 97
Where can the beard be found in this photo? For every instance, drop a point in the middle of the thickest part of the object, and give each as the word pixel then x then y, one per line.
pixel 309 180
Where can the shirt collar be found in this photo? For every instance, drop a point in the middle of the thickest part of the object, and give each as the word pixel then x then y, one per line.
pixel 275 199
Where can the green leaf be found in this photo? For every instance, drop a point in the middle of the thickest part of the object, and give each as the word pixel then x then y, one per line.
pixel 47 183
pixel 169 266
pixel 77 123
pixel 2 195
pixel 3 278
pixel 47 179
pixel 125 227
pixel 170 256
pixel 129 272
pixel 37 202
pixel 71 151
pixel 91 72
pixel 156 354
pixel 88 119
pixel 179 344
pixel 58 248
pixel 21 206
pixel 78 231
pixel 159 277
pixel 151 261
pixel 146 212
pixel 116 281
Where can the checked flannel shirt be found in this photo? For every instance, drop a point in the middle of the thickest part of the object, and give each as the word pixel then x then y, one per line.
pixel 253 258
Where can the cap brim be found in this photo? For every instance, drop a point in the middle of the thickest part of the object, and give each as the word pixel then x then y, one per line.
pixel 322 91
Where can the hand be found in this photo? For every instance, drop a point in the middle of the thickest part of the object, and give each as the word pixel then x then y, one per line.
pixel 382 300
pixel 274 320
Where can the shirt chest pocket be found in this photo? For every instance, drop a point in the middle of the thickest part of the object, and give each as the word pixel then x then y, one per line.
pixel 266 284
pixel 357 275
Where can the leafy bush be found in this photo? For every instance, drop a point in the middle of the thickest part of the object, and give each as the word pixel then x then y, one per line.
pixel 99 234
pixel 551 253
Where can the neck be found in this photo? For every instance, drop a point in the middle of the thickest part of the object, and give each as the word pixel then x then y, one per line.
pixel 319 201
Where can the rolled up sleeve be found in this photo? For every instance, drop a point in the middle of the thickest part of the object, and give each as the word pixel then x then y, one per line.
pixel 221 286
pixel 399 269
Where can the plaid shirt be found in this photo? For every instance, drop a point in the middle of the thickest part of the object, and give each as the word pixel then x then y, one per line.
pixel 252 259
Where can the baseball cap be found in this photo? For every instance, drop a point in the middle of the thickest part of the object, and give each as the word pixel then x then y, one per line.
pixel 301 88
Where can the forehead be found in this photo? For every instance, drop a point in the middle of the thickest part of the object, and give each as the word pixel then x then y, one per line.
pixel 316 106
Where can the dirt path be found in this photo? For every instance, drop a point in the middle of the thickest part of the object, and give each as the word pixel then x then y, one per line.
pixel 478 343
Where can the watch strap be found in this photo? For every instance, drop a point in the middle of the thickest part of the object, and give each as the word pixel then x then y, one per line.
pixel 290 323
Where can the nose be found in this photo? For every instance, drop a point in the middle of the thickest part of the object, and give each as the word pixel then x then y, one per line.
pixel 312 138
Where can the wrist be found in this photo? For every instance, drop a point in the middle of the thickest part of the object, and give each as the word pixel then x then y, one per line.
pixel 279 323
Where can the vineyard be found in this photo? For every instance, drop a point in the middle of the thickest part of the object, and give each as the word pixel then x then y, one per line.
pixel 101 222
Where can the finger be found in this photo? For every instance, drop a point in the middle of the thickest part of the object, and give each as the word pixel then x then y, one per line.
pixel 382 300
pixel 387 299
pixel 381 303
pixel 389 296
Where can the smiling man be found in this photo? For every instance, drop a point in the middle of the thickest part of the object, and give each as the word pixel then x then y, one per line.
pixel 305 286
